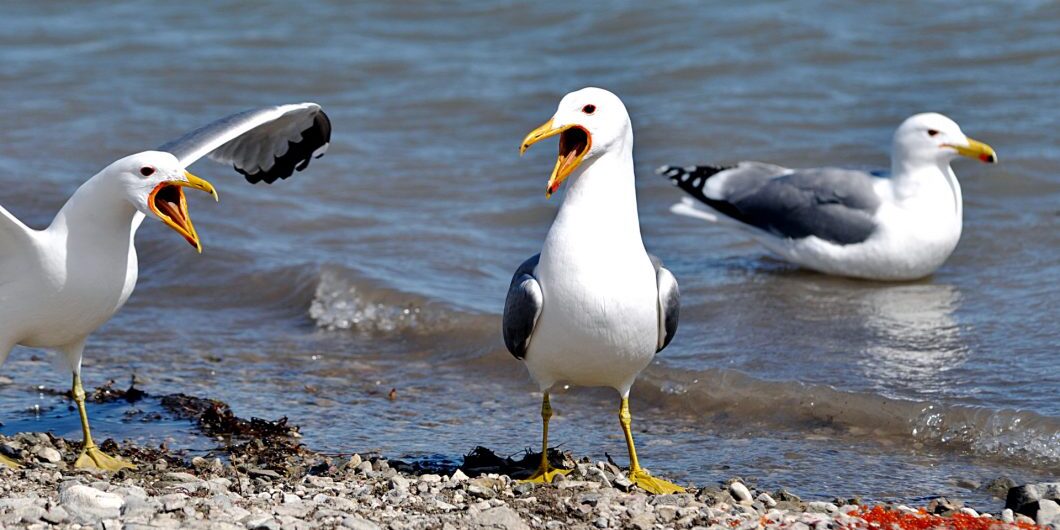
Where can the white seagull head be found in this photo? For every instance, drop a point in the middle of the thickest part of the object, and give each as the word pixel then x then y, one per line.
pixel 589 122
pixel 933 139
pixel 154 182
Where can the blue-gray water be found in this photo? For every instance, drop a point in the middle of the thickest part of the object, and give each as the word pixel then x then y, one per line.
pixel 386 263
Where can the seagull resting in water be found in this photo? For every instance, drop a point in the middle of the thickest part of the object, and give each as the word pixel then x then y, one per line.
pixel 593 308
pixel 59 284
pixel 897 226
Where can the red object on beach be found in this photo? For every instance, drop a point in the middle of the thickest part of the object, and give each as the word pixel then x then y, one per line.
pixel 879 517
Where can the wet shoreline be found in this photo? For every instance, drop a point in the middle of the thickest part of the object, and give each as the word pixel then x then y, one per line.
pixel 259 474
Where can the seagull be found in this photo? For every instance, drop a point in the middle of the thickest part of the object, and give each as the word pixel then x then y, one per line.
pixel 892 226
pixel 593 308
pixel 60 284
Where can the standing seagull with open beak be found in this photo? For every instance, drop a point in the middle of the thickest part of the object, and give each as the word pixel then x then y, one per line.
pixel 58 285
pixel 593 308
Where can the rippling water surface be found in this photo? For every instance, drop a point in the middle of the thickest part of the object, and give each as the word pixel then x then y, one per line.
pixel 385 264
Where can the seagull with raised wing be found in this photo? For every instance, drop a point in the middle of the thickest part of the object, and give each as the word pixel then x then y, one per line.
pixel 900 225
pixel 60 284
pixel 593 308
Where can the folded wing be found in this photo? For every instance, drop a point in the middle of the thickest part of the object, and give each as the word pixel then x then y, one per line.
pixel 522 308
pixel 836 205
pixel 669 303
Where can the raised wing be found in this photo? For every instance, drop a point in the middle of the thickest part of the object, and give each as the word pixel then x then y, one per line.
pixel 669 303
pixel 263 144
pixel 836 205
pixel 15 243
pixel 522 308
pixel 13 233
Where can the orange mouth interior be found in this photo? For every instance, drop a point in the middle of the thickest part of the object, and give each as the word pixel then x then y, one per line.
pixel 574 143
pixel 167 201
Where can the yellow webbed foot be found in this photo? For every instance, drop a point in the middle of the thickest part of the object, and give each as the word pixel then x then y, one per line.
pixel 93 458
pixel 545 475
pixel 5 461
pixel 655 486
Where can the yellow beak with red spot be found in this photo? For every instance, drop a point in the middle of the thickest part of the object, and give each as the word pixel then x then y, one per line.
pixel 976 149
pixel 168 203
pixel 574 144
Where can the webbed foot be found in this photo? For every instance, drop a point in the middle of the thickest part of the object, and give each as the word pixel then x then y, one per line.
pixel 655 486
pixel 545 475
pixel 5 461
pixel 93 458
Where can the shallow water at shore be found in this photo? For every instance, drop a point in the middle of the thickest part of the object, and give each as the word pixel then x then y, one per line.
pixel 385 264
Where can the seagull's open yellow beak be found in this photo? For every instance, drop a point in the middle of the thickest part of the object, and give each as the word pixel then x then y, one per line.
pixel 168 203
pixel 574 143
pixel 976 149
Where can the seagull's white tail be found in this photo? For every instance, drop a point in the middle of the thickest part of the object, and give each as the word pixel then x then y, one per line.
pixel 690 208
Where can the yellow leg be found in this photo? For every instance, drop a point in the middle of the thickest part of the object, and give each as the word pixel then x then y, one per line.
pixel 91 456
pixel 638 475
pixel 5 461
pixel 544 473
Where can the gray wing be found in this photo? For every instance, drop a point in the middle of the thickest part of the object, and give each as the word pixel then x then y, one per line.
pixel 836 205
pixel 669 303
pixel 263 144
pixel 522 307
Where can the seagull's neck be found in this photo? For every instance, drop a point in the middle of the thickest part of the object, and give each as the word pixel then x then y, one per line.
pixel 932 181
pixel 98 212
pixel 600 205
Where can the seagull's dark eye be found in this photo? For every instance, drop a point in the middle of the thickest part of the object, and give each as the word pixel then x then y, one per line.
pixel 932 132
pixel 147 171
pixel 589 109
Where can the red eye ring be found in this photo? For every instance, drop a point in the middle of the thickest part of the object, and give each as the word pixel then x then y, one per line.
pixel 932 132
pixel 147 171
pixel 589 109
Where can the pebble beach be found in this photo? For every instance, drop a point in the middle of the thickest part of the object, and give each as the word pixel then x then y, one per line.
pixel 261 476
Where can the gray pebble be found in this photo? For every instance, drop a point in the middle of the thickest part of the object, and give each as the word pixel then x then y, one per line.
pixel 356 523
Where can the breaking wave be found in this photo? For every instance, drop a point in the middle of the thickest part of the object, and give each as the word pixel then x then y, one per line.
pixel 737 400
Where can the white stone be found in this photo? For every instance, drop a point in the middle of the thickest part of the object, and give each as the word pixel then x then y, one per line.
pixel 399 482
pixel 740 493
pixel 1048 512
pixel 765 499
pixel 1007 515
pixel 48 454
pixel 85 503
pixel 822 507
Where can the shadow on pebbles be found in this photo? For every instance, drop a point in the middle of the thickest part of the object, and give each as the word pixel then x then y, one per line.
pixel 261 476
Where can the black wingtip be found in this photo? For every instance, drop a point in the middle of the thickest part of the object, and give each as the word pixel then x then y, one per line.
pixel 693 179
pixel 314 140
